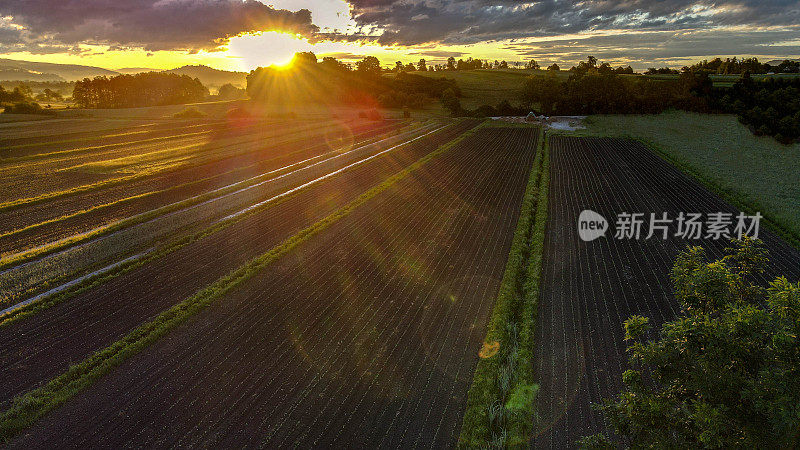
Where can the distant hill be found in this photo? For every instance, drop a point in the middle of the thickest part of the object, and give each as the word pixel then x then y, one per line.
pixel 16 70
pixel 212 77
pixel 135 70
pixel 15 74
pixel 776 62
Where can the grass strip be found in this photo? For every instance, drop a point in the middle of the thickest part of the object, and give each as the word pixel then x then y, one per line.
pixel 521 424
pixel 44 250
pixel 737 200
pixel 29 407
pixel 488 419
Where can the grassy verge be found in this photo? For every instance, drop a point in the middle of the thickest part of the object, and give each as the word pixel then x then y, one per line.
pixel 501 399
pixel 27 408
pixel 47 302
pixel 38 252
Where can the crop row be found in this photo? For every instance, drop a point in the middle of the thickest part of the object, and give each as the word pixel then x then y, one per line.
pixel 364 335
pixel 97 315
pixel 500 404
pixel 38 402
pixel 69 175
pixel 140 201
pixel 17 149
pixel 38 275
pixel 589 288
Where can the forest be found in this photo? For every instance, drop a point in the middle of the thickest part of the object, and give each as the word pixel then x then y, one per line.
pixel 330 81
pixel 142 89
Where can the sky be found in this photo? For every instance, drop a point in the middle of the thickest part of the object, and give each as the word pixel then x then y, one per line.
pixel 244 34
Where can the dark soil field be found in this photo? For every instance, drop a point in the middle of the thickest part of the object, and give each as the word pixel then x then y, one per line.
pixel 70 140
pixel 590 288
pixel 127 199
pixel 366 335
pixel 40 347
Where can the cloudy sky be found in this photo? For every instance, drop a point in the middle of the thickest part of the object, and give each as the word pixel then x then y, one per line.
pixel 243 34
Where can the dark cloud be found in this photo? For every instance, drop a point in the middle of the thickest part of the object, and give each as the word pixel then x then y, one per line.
pixel 646 49
pixel 438 53
pixel 150 24
pixel 412 22
pixel 343 56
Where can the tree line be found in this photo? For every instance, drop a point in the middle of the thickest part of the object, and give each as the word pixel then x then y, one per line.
pixel 329 81
pixel 20 100
pixel 768 107
pixel 731 66
pixel 142 89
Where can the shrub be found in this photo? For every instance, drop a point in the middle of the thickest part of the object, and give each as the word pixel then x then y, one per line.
pixel 189 113
pixel 26 108
pixel 725 372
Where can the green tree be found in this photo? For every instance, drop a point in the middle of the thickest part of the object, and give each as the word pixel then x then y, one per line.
pixel 421 65
pixel 726 373
pixel 554 67
pixel 230 92
pixel 532 64
pixel 451 102
pixel 369 66
pixel 544 90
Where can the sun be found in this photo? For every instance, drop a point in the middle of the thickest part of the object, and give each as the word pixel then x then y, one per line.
pixel 284 65
pixel 266 48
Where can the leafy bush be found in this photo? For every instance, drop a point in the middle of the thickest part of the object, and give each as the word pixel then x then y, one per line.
pixel 26 108
pixel 189 113
pixel 726 373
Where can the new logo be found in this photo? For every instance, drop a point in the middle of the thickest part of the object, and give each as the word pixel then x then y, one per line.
pixel 591 225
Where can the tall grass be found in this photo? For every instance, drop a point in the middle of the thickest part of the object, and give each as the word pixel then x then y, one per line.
pixel 501 399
